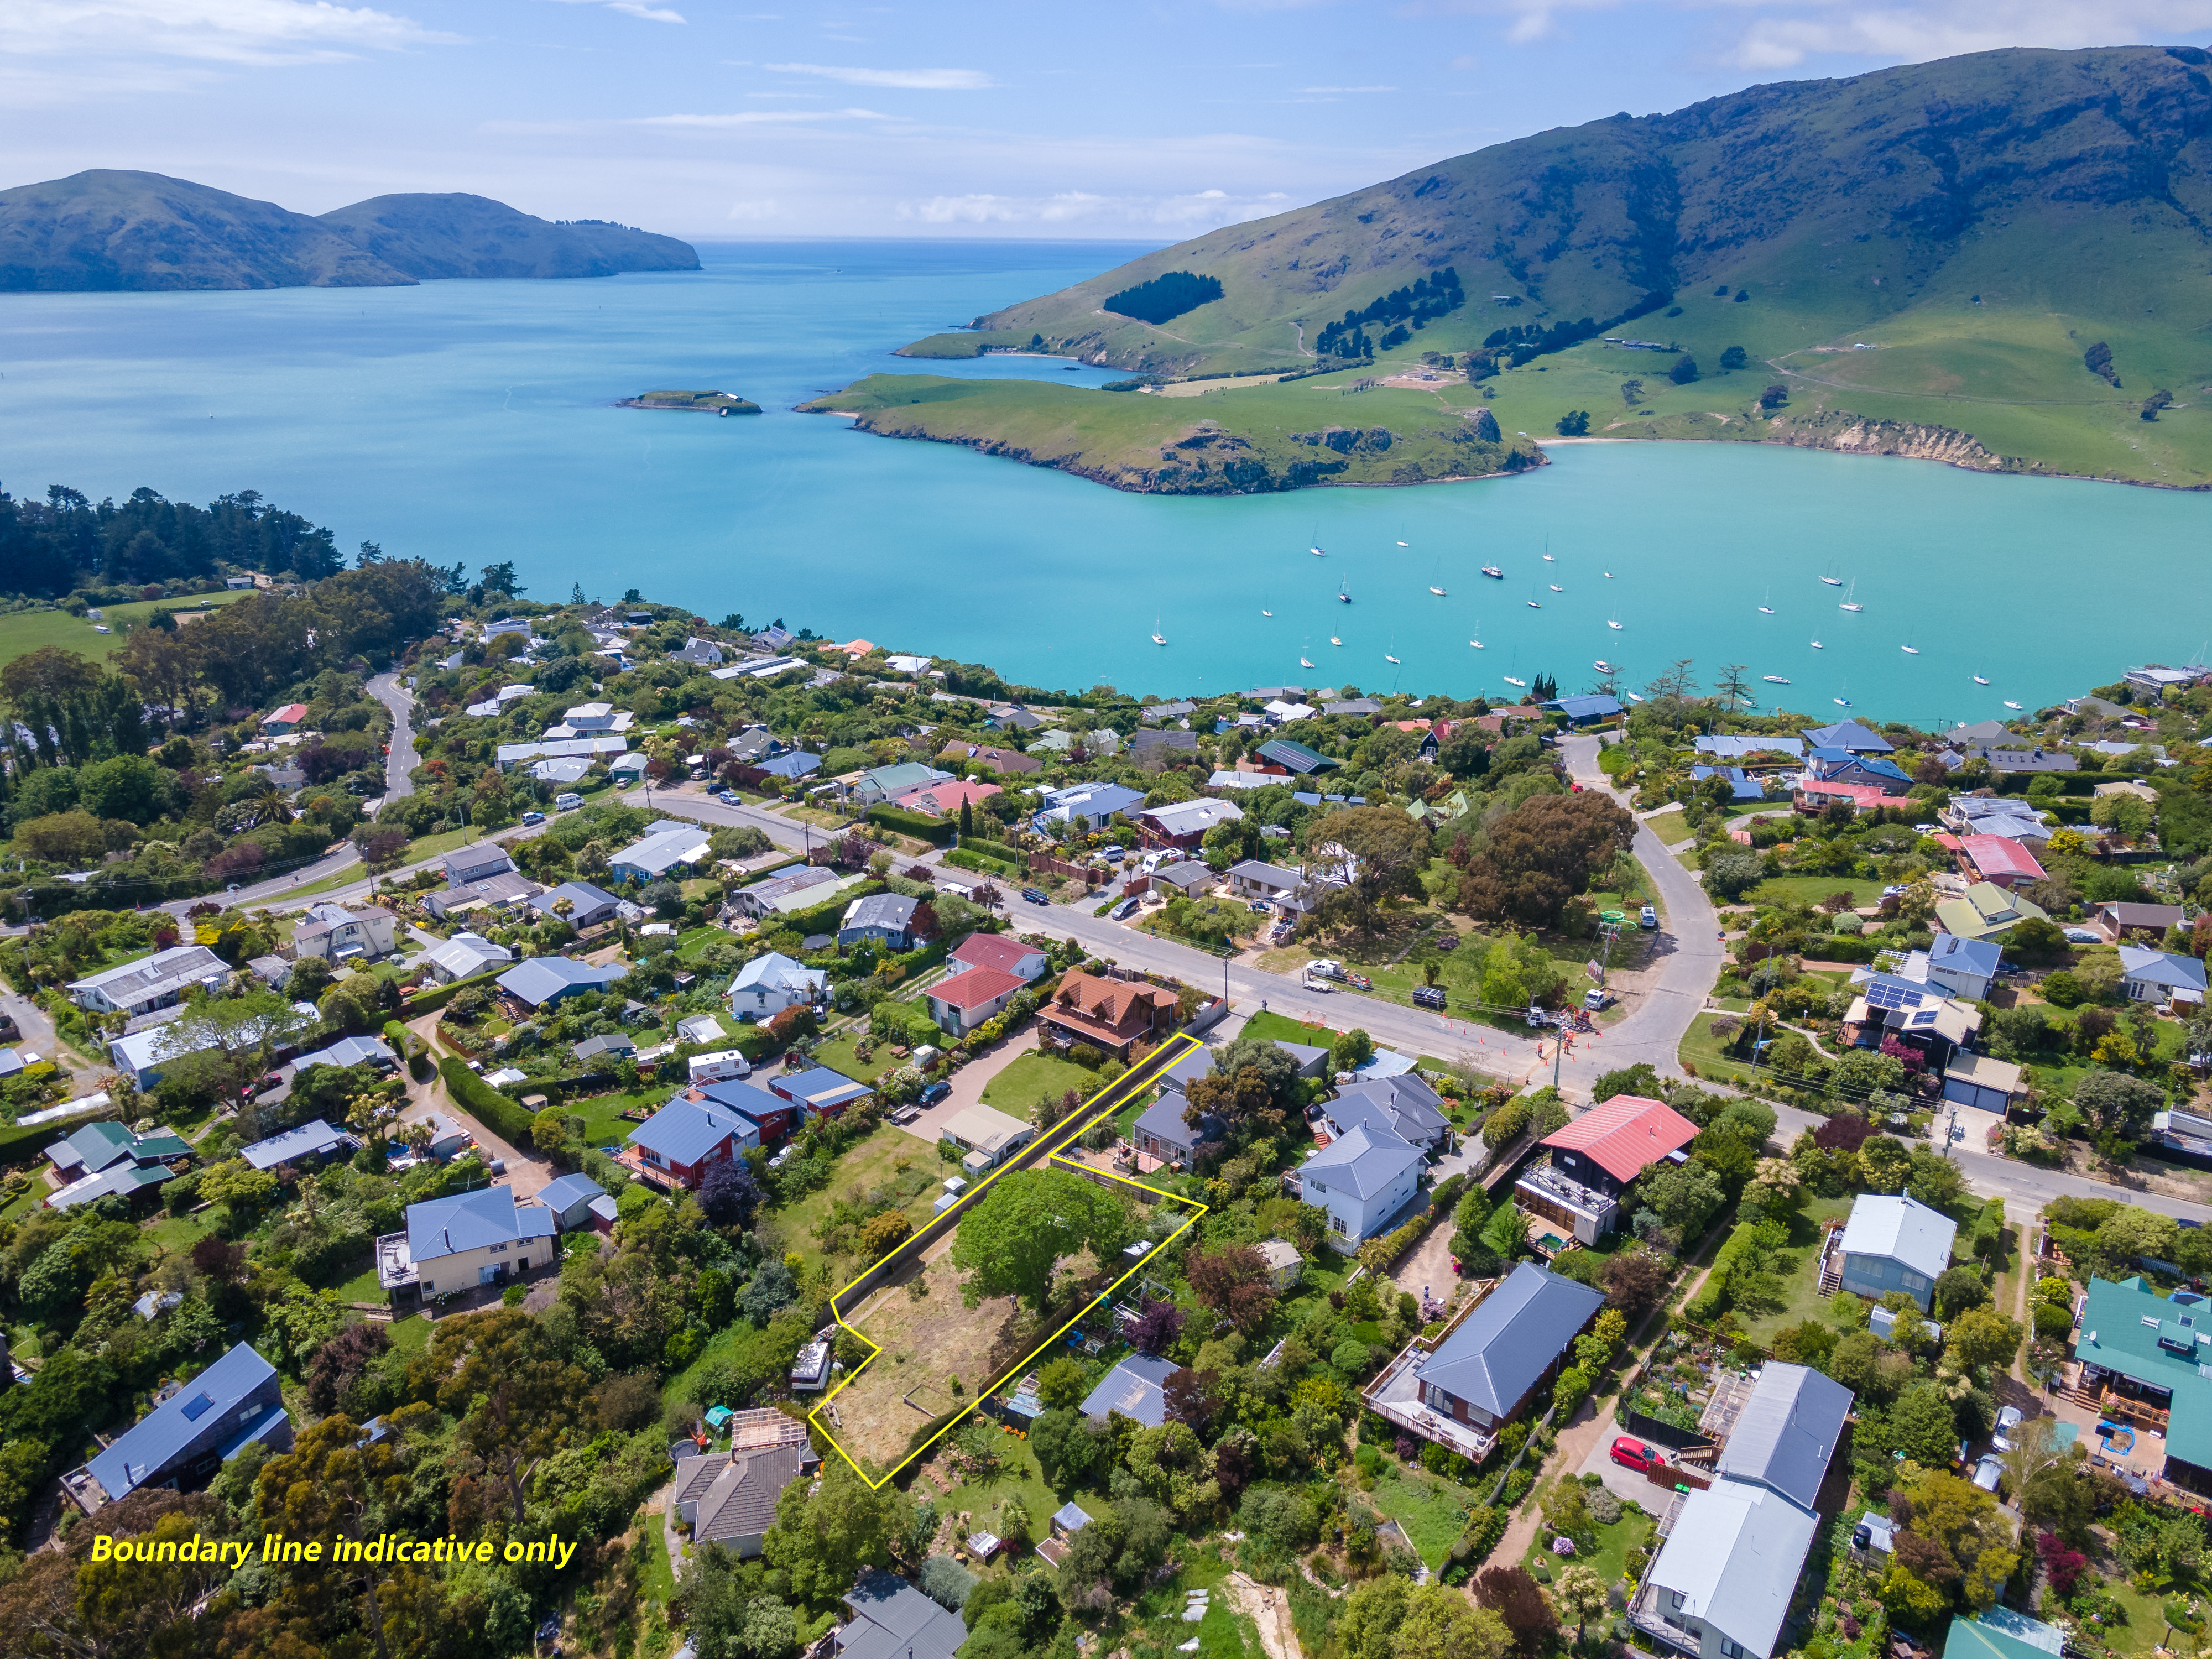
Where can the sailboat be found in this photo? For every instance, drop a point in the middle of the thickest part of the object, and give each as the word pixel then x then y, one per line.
pixel 1613 622
pixel 1843 702
pixel 1851 602
pixel 1981 679
pixel 1265 611
pixel 1344 592
pixel 1632 698
pixel 1333 639
pixel 1533 606
pixel 1834 581
pixel 2009 703
pixel 1766 609
pixel 1435 587
pixel 1509 680
pixel 1909 650
pixel 1556 588
pixel 1388 658
pixel 1816 645
pixel 1775 680
pixel 1477 641
pixel 1604 668
pixel 1159 638
pixel 1608 575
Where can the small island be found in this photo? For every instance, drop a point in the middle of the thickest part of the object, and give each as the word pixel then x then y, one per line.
pixel 710 403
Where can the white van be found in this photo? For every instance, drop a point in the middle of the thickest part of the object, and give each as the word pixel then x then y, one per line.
pixel 567 803
pixel 719 1066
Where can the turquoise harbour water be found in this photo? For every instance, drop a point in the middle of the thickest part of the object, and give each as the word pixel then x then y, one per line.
pixel 474 420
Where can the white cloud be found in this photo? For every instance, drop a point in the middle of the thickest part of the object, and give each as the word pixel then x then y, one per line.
pixel 755 212
pixel 253 32
pixel 632 9
pixel 1204 210
pixel 759 117
pixel 911 80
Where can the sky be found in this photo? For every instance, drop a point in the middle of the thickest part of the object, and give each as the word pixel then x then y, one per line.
pixel 729 119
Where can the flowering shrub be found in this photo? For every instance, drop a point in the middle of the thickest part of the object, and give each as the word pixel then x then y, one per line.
pixel 1563 1545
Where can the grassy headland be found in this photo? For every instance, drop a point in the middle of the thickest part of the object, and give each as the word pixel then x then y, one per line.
pixel 1245 441
pixel 711 403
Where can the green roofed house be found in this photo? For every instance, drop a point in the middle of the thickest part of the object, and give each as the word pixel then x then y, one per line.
pixel 1986 911
pixel 2001 1633
pixel 2145 1358
pixel 1295 758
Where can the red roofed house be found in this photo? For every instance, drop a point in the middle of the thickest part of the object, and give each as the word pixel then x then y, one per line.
pixel 963 1001
pixel 1113 1015
pixel 285 721
pixel 1596 1160
pixel 1812 796
pixel 1998 859
pixel 998 951
pixel 945 798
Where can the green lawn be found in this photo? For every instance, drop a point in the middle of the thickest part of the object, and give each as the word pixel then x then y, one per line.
pixel 1026 1078
pixel 1432 1511
pixel 1268 1026
pixel 658 1582
pixel 1017 1476
pixel 1670 826
pixel 1811 889
pixel 179 1233
pixel 362 1286
pixel 1610 1562
pixel 411 1335
pixel 26 631
pixel 1701 1051
pixel 1796 1295
pixel 871 1164
pixel 838 1055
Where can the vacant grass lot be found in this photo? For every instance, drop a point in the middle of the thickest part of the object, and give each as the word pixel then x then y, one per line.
pixel 1026 1078
pixel 1793 1294
pixel 889 1160
pixel 1812 890
pixel 27 630
pixel 1431 1511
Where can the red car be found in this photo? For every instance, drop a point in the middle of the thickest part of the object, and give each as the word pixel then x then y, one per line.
pixel 1637 1455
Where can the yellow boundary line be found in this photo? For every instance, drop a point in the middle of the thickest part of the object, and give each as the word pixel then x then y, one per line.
pixel 1108 1100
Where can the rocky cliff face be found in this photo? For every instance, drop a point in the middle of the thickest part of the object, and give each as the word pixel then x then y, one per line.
pixel 1855 434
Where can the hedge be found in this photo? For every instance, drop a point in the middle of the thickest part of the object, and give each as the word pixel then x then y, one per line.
pixel 824 918
pixel 964 859
pixel 502 1116
pixel 1714 1298
pixel 992 849
pixel 428 1002
pixel 937 832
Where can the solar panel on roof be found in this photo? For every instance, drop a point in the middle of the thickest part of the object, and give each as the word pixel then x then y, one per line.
pixel 1887 993
pixel 1926 1018
pixel 197 1407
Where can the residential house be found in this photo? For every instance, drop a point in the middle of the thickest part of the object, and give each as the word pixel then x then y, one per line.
pixel 730 1498
pixel 1489 1369
pixel 2139 1350
pixel 818 1091
pixel 1985 912
pixel 1850 735
pixel 1742 786
pixel 2001 1633
pixel 1400 1103
pixel 494 894
pixel 1258 881
pixel 1156 712
pixel 2157 681
pixel 1753 753
pixel 372 1052
pixel 589 906
pixel 98 1147
pixel 676 1145
pixel 443 1140
pixel 884 919
pixel 588 750
pixel 1186 880
pixel 883 783
pixel 1986 1084
pixel 2161 977
pixel 986 1135
pixel 1162 1133
pixel 2119 922
pixel 602 1050
pixel 1587 709
pixel 2035 760
pixel 1166 744
pixel 161 981
pixel 1998 859
pixel 1829 765
pixel 1995 815
pixel 478 861
pixel 699 653
pixel 768 985
pixel 1285 1265
pixel 140 1055
pixel 787 768
pixel 285 721
pixel 1786 1432
pixel 563 773
pixel 1002 953
pixel 1283 711
pixel 1895 1243
pixel 1134 1388
pixel 540 981
pixel 774 1116
pixel 1808 796
pixel 1595 1161
pixel 309 1142
pixel 700 1028
pixel 990 756
pixel 1353 706
pixel 569 1200
pixel 129 1180
pixel 336 933
pixel 892 1619
pixel 459 1242
pixel 201 1426
pixel 1280 756
pixel 1915 1013
pixel 1957 967
pixel 1182 825
pixel 1363 1180
pixel 587 717
pixel 1115 1015
pixel 462 956
pixel 672 843
pixel 786 893
pixel 961 1002
pixel 1084 806
pixel 1722 1586
pixel 945 800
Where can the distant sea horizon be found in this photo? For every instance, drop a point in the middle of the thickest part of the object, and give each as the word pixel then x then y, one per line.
pixel 477 421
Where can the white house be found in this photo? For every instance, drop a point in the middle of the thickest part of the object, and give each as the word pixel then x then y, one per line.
pixel 1361 1181
pixel 459 1242
pixel 461 956
pixel 161 981
pixel 1271 883
pixel 1722 1584
pixel 768 985
pixel 2160 976
pixel 987 1135
pixel 337 933
pixel 671 843
pixel 1895 1243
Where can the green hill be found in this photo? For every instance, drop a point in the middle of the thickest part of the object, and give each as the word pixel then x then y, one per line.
pixel 1980 222
pixel 116 230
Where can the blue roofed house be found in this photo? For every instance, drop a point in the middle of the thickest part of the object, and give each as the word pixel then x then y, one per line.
pixel 1402 1103
pixel 886 919
pixel 1086 806
pixel 458 1242
pixel 1162 1136
pixel 539 981
pixel 818 1091
pixel 892 1619
pixel 678 1144
pixel 676 842
pixel 2160 976
pixel 1587 708
pixel 1727 1573
pixel 774 1116
pixel 1361 1181
pixel 1895 1243
pixel 768 985
pixel 1829 763
pixel 1460 1391
pixel 569 1200
pixel 183 1441
pixel 2001 1633
pixel 315 1139
pixel 1742 785
pixel 1850 734
pixel 1134 1388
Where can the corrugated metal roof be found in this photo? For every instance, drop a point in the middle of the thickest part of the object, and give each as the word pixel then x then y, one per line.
pixel 1627 1133
pixel 469 1221
pixel 1734 1557
pixel 147 1450
pixel 1902 1227
pixel 1133 1388
pixel 1495 1357
pixel 685 1130
pixel 1786 1431
pixel 1364 1162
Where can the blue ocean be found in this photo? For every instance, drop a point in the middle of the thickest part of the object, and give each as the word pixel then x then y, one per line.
pixel 477 421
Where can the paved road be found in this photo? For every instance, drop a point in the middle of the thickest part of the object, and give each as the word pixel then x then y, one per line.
pixel 401 760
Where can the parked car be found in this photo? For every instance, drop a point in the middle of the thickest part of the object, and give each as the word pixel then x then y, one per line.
pixel 2007 1420
pixel 1113 855
pixel 1315 983
pixel 933 1093
pixel 2084 936
pixel 1324 969
pixel 1122 911
pixel 1429 996
pixel 1632 1453
pixel 1647 917
pixel 567 803
pixel 1034 896
pixel 534 817
pixel 1538 1019
pixel 1260 907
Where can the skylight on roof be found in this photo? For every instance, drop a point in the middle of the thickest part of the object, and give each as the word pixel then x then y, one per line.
pixel 198 1406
